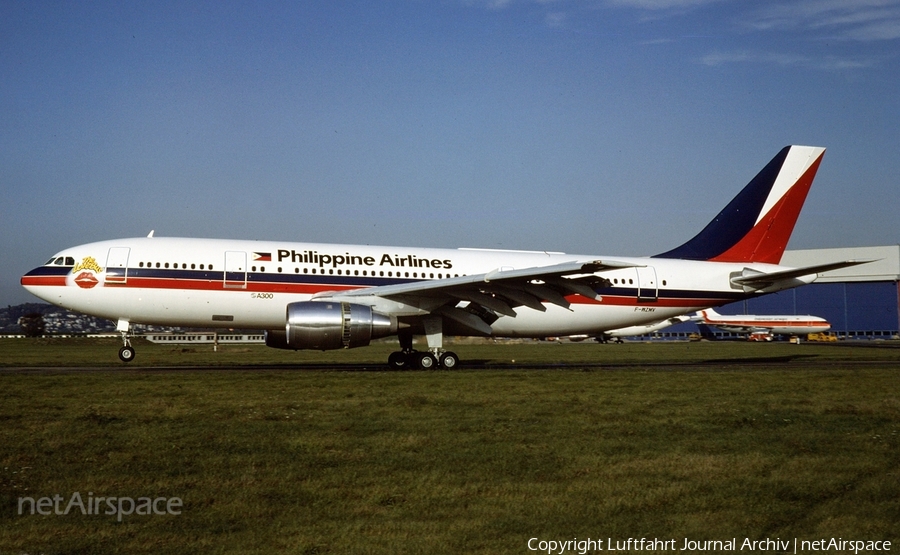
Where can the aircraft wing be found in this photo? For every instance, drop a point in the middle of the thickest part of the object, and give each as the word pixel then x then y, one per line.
pixel 499 290
pixel 761 280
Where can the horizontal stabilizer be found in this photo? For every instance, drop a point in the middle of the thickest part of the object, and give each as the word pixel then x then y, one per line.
pixel 763 280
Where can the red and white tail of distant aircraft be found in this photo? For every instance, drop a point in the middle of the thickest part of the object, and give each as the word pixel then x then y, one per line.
pixel 331 296
pixel 779 325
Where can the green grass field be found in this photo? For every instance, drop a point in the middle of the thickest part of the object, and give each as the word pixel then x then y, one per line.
pixel 671 441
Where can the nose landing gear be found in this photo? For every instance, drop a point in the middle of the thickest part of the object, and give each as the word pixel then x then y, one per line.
pixel 126 353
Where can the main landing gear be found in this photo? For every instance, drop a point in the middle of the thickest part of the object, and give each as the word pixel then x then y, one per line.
pixel 427 360
pixel 435 357
pixel 126 353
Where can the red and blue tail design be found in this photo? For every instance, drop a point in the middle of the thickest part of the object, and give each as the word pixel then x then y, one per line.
pixel 757 223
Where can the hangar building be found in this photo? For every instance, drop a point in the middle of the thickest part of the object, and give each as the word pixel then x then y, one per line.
pixel 860 302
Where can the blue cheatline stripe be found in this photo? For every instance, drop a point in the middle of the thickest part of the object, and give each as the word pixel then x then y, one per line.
pixel 735 220
pixel 50 271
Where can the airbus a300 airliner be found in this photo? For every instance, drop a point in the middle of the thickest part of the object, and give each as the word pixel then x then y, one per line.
pixel 331 296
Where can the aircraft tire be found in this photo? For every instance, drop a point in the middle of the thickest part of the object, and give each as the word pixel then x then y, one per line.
pixel 398 360
pixel 126 354
pixel 449 360
pixel 427 361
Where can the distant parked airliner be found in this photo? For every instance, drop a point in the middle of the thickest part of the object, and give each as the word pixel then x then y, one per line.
pixel 780 324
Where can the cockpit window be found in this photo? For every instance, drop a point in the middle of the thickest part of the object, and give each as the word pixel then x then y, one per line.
pixel 70 261
pixel 50 262
pixel 61 261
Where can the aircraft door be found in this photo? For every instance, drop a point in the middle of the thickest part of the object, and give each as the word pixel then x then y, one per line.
pixel 117 265
pixel 235 270
pixel 647 286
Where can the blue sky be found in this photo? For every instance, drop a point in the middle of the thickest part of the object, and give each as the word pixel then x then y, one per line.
pixel 615 127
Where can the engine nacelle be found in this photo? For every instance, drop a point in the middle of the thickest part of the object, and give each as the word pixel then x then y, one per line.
pixel 327 325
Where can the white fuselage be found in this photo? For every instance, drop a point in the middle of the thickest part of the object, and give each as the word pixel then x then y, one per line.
pixel 210 283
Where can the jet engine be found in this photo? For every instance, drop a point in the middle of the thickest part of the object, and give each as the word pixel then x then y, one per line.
pixel 327 325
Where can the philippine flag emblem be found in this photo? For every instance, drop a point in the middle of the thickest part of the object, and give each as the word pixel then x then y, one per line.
pixel 262 257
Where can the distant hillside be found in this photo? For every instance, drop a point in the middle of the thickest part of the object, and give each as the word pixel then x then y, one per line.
pixel 57 320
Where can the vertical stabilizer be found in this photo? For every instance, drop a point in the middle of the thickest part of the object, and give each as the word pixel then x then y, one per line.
pixel 757 223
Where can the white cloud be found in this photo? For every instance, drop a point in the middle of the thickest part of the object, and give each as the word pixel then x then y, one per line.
pixel 555 19
pixel 862 20
pixel 829 63
pixel 661 4
pixel 722 58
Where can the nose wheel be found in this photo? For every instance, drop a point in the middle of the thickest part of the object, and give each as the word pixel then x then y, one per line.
pixel 126 353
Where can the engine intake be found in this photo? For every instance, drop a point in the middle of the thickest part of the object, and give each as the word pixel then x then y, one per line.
pixel 328 325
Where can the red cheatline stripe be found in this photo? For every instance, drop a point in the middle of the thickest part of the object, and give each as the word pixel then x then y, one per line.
pixel 766 323
pixel 45 281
